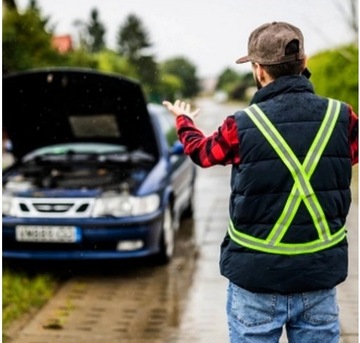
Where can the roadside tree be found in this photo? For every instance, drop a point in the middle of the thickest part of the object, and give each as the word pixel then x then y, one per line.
pixel 26 41
pixel 185 70
pixel 92 33
pixel 134 44
pixel 335 74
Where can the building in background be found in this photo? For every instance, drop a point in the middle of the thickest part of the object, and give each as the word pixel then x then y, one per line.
pixel 62 44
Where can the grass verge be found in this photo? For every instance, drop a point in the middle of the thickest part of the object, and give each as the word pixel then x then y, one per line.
pixel 22 293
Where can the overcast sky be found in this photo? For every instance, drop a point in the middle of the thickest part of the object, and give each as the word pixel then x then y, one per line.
pixel 212 34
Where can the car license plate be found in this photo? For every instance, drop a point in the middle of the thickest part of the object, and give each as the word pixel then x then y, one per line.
pixel 53 234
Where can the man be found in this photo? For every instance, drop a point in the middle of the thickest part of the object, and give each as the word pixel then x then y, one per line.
pixel 291 153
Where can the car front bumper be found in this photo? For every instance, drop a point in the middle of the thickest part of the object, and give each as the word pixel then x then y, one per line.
pixel 106 238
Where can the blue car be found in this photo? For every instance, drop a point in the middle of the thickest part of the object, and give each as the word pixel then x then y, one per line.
pixel 98 172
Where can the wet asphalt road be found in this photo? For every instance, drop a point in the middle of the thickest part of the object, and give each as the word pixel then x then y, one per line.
pixel 137 302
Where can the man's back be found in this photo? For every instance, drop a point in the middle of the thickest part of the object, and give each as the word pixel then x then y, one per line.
pixel 272 228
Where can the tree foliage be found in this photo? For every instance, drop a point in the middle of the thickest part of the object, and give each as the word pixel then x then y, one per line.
pixel 148 71
pixel 79 58
pixel 92 33
pixel 26 43
pixel 335 74
pixel 133 44
pixel 133 38
pixel 228 77
pixel 235 84
pixel 170 86
pixel 185 70
pixel 96 31
pixel 110 61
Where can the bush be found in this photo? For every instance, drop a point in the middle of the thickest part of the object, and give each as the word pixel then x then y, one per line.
pixel 335 74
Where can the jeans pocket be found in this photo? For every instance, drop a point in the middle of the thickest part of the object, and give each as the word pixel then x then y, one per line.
pixel 320 307
pixel 250 309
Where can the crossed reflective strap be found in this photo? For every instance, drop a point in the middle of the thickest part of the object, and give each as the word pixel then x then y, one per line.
pixel 302 189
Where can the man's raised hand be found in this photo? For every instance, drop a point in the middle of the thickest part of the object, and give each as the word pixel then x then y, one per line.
pixel 181 108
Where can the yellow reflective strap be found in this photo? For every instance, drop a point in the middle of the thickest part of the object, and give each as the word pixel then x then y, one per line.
pixel 283 223
pixel 322 137
pixel 290 160
pixel 284 248
pixel 276 141
pixel 316 150
pixel 302 189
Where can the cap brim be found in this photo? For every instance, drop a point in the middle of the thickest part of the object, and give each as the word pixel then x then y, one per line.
pixel 243 59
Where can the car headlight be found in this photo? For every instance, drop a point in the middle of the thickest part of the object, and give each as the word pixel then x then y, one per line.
pixel 125 205
pixel 7 204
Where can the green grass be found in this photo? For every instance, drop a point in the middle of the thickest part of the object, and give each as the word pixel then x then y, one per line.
pixel 22 293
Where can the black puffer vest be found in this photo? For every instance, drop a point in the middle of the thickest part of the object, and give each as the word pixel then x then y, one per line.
pixel 261 184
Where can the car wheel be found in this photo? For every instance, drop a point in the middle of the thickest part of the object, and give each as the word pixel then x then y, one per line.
pixel 167 242
pixel 189 209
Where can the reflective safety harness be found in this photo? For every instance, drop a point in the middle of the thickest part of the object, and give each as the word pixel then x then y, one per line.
pixel 302 191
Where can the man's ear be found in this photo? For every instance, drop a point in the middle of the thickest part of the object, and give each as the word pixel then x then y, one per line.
pixel 261 73
pixel 305 70
pixel 305 61
pixel 257 70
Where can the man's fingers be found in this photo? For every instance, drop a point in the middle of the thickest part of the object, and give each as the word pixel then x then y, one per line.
pixel 167 104
pixel 181 107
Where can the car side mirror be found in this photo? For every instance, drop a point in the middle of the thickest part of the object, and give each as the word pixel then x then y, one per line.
pixel 177 148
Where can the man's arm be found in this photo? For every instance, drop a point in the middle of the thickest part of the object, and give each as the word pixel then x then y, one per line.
pixel 222 147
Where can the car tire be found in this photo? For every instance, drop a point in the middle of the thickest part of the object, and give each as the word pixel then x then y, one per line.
pixel 189 209
pixel 167 240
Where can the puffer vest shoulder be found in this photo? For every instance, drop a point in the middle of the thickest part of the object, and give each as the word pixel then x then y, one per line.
pixel 261 185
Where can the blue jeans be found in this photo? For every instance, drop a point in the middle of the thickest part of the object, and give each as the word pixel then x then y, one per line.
pixel 310 317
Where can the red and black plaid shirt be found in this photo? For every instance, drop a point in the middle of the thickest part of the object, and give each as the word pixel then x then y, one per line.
pixel 222 147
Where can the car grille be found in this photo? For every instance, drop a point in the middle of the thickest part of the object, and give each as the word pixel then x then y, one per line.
pixel 52 208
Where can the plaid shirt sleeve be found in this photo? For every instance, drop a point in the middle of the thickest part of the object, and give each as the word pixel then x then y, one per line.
pixel 222 147
pixel 354 137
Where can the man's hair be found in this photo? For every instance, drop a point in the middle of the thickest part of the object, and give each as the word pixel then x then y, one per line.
pixel 288 68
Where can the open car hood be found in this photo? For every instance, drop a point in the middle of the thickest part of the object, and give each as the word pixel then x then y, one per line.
pixel 61 105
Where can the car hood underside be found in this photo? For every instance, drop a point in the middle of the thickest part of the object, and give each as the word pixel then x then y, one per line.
pixel 56 106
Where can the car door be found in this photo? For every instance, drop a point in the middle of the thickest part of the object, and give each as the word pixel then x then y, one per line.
pixel 182 170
